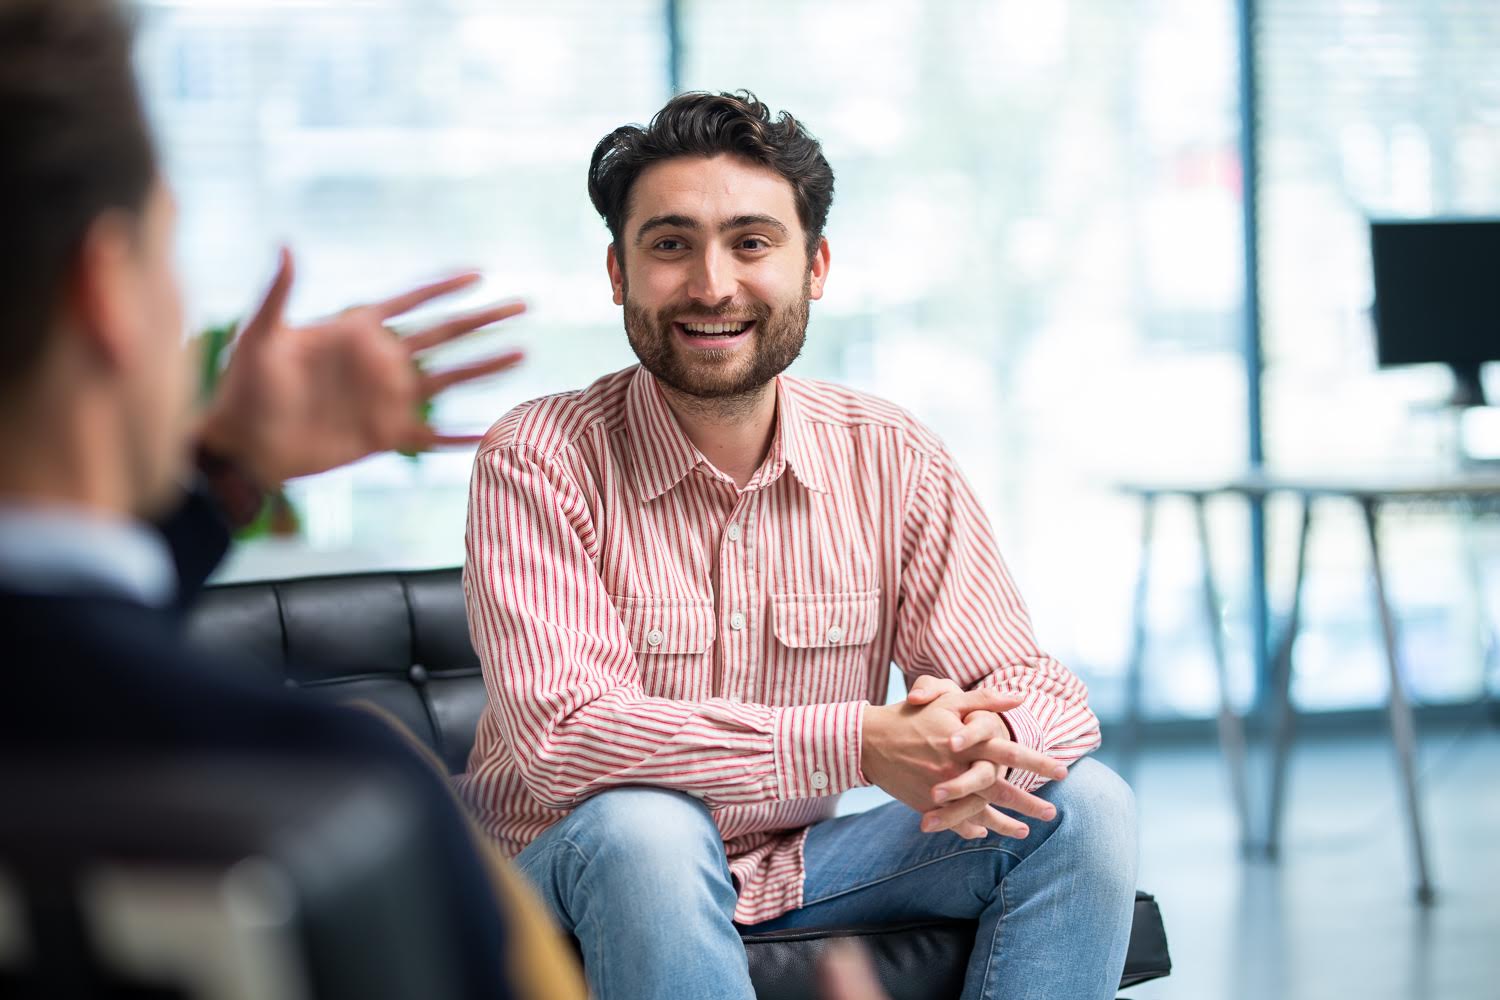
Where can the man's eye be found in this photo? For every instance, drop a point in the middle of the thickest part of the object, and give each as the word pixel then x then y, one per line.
pixel 753 243
pixel 669 244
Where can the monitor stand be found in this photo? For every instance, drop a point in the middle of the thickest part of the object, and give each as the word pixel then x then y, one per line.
pixel 1468 387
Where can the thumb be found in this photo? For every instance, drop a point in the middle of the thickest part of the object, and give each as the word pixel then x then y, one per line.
pixel 926 689
pixel 268 314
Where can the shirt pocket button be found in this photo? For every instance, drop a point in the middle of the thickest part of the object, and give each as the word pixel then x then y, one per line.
pixel 654 637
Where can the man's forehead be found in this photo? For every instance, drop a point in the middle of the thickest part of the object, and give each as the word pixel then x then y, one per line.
pixel 711 190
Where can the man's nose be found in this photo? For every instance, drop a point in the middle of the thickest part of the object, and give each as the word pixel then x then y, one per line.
pixel 712 279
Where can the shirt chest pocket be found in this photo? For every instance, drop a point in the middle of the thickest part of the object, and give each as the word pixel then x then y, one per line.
pixel 823 645
pixel 673 640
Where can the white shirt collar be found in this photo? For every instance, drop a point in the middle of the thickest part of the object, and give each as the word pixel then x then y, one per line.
pixel 52 550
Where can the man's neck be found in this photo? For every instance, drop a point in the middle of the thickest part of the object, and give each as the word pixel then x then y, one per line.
pixel 734 433
pixel 57 457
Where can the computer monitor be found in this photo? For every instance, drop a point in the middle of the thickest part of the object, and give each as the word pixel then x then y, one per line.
pixel 1437 296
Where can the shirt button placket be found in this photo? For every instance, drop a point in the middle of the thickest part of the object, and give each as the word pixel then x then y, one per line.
pixel 736 562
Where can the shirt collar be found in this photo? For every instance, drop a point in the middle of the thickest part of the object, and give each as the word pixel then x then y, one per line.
pixel 48 550
pixel 794 435
pixel 664 455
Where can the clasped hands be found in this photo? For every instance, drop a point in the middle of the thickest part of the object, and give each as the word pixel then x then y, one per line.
pixel 945 752
pixel 297 400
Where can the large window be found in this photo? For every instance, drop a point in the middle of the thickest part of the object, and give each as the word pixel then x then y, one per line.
pixel 387 141
pixel 1370 110
pixel 1036 247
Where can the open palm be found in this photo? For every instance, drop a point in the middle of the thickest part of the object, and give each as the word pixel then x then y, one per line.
pixel 297 400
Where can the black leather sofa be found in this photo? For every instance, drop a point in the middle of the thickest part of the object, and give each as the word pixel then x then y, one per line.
pixel 401 640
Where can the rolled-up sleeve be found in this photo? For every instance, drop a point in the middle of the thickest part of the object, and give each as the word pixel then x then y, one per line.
pixel 962 617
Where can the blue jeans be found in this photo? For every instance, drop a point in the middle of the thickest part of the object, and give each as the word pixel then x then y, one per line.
pixel 639 876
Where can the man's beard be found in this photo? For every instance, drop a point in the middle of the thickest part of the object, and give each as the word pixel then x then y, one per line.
pixel 776 342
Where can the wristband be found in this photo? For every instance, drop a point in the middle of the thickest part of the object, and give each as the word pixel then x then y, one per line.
pixel 239 498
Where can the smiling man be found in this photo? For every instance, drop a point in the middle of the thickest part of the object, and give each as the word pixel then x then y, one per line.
pixel 687 584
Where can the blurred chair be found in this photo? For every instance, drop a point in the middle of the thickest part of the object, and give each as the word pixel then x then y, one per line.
pixel 217 879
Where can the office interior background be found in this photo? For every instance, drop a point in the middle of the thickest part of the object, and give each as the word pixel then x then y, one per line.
pixel 1039 240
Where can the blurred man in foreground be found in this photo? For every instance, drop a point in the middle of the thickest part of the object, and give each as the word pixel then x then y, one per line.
pixel 96 428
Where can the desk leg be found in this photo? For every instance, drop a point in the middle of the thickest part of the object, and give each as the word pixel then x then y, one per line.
pixel 1231 729
pixel 1135 669
pixel 1283 718
pixel 1403 731
pixel 1489 638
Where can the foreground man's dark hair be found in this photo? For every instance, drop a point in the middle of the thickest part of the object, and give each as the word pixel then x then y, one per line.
pixel 700 124
pixel 74 144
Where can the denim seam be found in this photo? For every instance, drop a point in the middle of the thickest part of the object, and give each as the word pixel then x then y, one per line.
pixel 576 849
pixel 995 938
pixel 906 871
pixel 598 963
pixel 1005 906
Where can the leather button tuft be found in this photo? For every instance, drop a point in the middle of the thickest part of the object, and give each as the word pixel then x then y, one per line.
pixel 417 673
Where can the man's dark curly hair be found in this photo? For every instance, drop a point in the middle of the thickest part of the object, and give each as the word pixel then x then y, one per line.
pixel 702 124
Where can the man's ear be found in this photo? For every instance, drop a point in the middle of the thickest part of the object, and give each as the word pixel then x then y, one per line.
pixel 818 270
pixel 616 274
pixel 104 296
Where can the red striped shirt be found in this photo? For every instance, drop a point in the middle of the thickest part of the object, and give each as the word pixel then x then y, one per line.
pixel 642 621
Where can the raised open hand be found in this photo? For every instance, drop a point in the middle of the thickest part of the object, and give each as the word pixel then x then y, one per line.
pixel 297 400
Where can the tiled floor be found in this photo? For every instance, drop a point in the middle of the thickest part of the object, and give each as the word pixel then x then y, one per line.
pixel 1336 918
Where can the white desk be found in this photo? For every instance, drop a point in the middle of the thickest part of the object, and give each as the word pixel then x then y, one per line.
pixel 1469 492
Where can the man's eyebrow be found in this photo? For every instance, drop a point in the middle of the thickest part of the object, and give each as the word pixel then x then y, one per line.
pixel 693 225
pixel 666 222
pixel 747 221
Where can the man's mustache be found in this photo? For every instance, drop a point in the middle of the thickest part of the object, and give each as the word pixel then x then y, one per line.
pixel 750 312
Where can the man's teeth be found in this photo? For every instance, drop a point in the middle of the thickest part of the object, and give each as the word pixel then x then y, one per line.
pixel 714 328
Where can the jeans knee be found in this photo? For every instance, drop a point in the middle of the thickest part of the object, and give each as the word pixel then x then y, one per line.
pixel 1096 815
pixel 629 862
pixel 657 833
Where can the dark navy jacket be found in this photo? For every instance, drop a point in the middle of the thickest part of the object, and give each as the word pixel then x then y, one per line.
pixel 90 674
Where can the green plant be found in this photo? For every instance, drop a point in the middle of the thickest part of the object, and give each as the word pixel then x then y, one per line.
pixel 277 517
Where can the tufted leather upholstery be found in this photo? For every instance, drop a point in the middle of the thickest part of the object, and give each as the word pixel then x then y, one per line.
pixel 398 639
pixel 401 640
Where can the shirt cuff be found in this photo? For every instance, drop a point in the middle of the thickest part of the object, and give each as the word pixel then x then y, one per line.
pixel 817 749
pixel 1027 731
